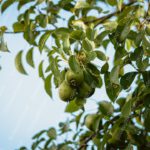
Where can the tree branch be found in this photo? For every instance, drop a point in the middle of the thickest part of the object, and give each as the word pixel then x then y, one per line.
pixel 87 140
pixel 99 20
pixel 126 121
pixel 104 18
pixel 11 32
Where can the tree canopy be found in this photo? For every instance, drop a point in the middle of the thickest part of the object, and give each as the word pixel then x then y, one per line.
pixel 88 35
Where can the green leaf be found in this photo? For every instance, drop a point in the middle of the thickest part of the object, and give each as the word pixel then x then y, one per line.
pixel 55 68
pixel 138 53
pixel 146 42
pixel 91 56
pixel 37 143
pixel 81 4
pixel 99 82
pixel 99 39
pixel 18 63
pixel 111 89
pixel 47 85
pixel 66 45
pixel 88 77
pixel 43 39
pixel 93 69
pixel 110 25
pixel 52 133
pixel 106 108
pixel 74 64
pixel 23 2
pixel 112 2
pixel 41 74
pixel 115 135
pixel 139 38
pixel 47 143
pixel 77 35
pixel 91 34
pixel 100 55
pixel 23 148
pixel 29 57
pixel 72 107
pixel 126 110
pixel 146 77
pixel 125 30
pixel 42 20
pixel 147 119
pixel 120 3
pixel 62 33
pixel 36 136
pixel 121 101
pixel 79 24
pixel 127 79
pixel 7 4
pixel 27 17
pixel 30 34
pixel 147 30
pixel 88 45
pixel 146 98
pixel 105 68
pixel 114 75
pixel 77 119
pixel 53 147
pixel 40 1
pixel 3 45
pixel 119 54
pixel 18 27
pixel 80 101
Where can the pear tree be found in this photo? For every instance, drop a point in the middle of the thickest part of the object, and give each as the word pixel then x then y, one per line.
pixel 102 47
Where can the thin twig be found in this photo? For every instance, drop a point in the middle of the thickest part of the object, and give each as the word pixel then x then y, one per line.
pixel 11 32
pixel 87 140
pixel 104 18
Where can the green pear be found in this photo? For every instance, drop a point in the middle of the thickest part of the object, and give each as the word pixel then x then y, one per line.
pixel 66 92
pixel 74 79
pixel 92 122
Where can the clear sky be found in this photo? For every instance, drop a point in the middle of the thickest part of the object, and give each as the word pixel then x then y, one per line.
pixel 25 108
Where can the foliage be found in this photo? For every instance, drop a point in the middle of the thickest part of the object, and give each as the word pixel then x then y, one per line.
pixel 81 47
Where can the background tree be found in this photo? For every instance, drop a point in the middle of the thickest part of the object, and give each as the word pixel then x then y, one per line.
pixel 78 65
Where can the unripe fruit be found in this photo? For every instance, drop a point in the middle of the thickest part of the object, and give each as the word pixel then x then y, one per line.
pixel 92 122
pixel 74 79
pixel 51 133
pixel 106 108
pixel 85 90
pixel 66 93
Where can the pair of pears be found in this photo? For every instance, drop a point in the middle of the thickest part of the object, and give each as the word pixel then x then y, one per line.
pixel 74 86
